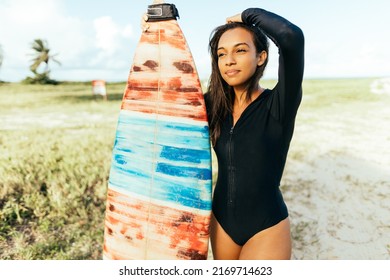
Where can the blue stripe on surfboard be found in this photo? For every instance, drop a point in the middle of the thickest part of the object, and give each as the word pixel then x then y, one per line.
pixel 137 141
pixel 165 190
pixel 179 171
pixel 180 175
pixel 144 126
pixel 189 155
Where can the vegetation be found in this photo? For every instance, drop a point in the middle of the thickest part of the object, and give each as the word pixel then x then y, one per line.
pixel 42 57
pixel 55 155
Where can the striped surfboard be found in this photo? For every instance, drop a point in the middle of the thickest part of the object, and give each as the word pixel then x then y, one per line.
pixel 159 190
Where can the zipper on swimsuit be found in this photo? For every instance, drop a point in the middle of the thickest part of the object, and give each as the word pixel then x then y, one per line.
pixel 231 168
pixel 230 149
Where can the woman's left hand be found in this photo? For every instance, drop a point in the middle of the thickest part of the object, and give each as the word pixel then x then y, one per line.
pixel 144 23
pixel 236 18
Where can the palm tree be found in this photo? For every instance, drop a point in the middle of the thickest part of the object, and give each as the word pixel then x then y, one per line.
pixel 42 55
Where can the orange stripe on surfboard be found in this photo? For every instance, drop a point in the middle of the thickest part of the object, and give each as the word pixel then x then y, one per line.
pixel 128 219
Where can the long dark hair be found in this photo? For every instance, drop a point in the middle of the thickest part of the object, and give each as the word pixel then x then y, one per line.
pixel 221 94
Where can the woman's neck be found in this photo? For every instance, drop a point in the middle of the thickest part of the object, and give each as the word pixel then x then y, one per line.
pixel 241 96
pixel 241 102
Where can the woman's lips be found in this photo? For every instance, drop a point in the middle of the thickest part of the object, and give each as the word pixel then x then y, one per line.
pixel 232 72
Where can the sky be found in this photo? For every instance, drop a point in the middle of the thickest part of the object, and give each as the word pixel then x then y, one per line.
pixel 97 39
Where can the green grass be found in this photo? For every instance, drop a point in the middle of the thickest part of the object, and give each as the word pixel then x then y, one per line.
pixel 324 93
pixel 55 154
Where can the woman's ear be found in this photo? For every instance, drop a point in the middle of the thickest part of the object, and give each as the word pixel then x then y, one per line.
pixel 262 57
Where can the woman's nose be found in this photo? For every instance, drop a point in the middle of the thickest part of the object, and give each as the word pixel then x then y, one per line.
pixel 230 60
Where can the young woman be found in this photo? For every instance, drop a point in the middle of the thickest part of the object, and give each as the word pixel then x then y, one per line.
pixel 251 128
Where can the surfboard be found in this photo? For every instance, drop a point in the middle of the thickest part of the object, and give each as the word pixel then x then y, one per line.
pixel 159 189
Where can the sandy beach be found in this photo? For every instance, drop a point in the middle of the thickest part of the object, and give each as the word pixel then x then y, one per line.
pixel 337 182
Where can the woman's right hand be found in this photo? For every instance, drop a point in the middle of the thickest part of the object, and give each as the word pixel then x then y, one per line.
pixel 235 18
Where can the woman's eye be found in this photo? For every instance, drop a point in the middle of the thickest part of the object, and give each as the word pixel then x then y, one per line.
pixel 221 54
pixel 241 50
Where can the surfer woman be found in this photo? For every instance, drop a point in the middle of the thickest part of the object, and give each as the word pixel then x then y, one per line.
pixel 251 128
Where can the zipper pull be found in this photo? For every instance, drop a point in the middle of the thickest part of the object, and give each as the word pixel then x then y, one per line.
pixel 231 130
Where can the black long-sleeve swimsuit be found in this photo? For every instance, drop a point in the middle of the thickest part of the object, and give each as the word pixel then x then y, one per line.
pixel 252 153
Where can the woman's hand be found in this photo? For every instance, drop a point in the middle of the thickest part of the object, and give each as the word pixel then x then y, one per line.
pixel 144 20
pixel 236 18
pixel 144 23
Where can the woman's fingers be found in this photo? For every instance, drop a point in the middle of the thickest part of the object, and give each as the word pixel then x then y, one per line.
pixel 144 23
pixel 235 18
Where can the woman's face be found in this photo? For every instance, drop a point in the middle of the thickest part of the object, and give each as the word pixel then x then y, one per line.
pixel 237 57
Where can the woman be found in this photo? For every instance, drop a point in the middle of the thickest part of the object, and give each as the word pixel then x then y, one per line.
pixel 251 128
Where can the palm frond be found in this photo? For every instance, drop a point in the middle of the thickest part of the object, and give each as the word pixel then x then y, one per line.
pixel 54 59
pixel 40 45
pixel 42 55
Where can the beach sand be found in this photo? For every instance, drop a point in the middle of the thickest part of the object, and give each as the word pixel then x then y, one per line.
pixel 337 183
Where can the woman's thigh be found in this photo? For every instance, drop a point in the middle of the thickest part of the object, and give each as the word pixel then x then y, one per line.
pixel 273 243
pixel 224 248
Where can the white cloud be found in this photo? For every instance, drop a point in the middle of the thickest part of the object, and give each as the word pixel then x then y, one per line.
pixel 128 31
pixel 110 39
pixel 107 33
pixel 83 46
pixel 351 57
